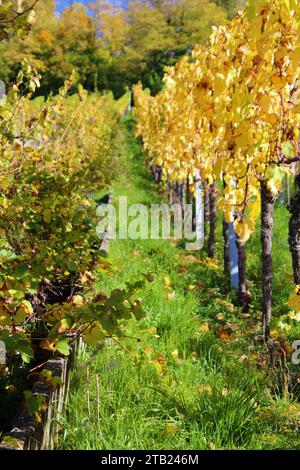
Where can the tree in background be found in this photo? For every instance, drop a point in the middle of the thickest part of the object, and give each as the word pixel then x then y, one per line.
pixel 146 36
pixel 112 47
pixel 231 6
pixel 138 42
pixel 56 45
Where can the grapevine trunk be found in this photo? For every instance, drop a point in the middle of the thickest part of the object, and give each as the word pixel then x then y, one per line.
pixel 294 230
pixel 212 221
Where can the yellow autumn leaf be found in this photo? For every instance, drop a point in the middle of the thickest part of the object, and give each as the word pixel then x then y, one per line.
pixel 225 336
pixel 27 307
pixel 77 300
pixel 245 137
pixel 93 335
pixel 204 327
pixel 271 118
pixel 158 367
pixel 4 318
pixel 293 316
pixel 175 354
pixel 148 351
pixel 229 215
pixel 275 334
pixel 219 83
pixel 211 264
pixel 242 229
pixel 255 208
pixel 48 344
pixel 294 303
pixel 205 389
pixel 218 168
pixel 171 428
pixel 265 104
pixel 86 203
pixel 167 281
pixel 171 295
pixel 279 82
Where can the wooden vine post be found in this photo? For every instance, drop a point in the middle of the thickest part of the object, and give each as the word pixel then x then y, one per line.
pixel 267 223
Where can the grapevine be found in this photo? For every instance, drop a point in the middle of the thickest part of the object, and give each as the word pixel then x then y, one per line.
pixel 231 110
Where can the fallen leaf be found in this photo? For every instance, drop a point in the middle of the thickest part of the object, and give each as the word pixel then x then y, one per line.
pixel 170 295
pixel 148 351
pixel 244 315
pixel 220 316
pixel 275 334
pixel 212 264
pixel 226 304
pixel 160 358
pixel 243 358
pixel 183 269
pixel 225 391
pixel 192 259
pixel 232 327
pixel 204 327
pixel 202 284
pixel 175 354
pixel 225 336
pixel 286 347
pixel 205 388
pixel 171 428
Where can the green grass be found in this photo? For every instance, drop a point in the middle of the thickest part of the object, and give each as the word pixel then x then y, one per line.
pixel 175 384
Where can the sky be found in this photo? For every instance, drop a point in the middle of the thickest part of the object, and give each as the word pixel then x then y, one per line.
pixel 61 4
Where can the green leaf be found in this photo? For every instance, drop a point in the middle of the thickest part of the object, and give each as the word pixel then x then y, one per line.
pixel 28 306
pixel 7 254
pixel 288 149
pixel 34 402
pixel 46 374
pixel 60 327
pixel 25 350
pixel 9 340
pixel 108 323
pixel 139 312
pixel 273 172
pixel 94 335
pixel 63 347
pixel 117 297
